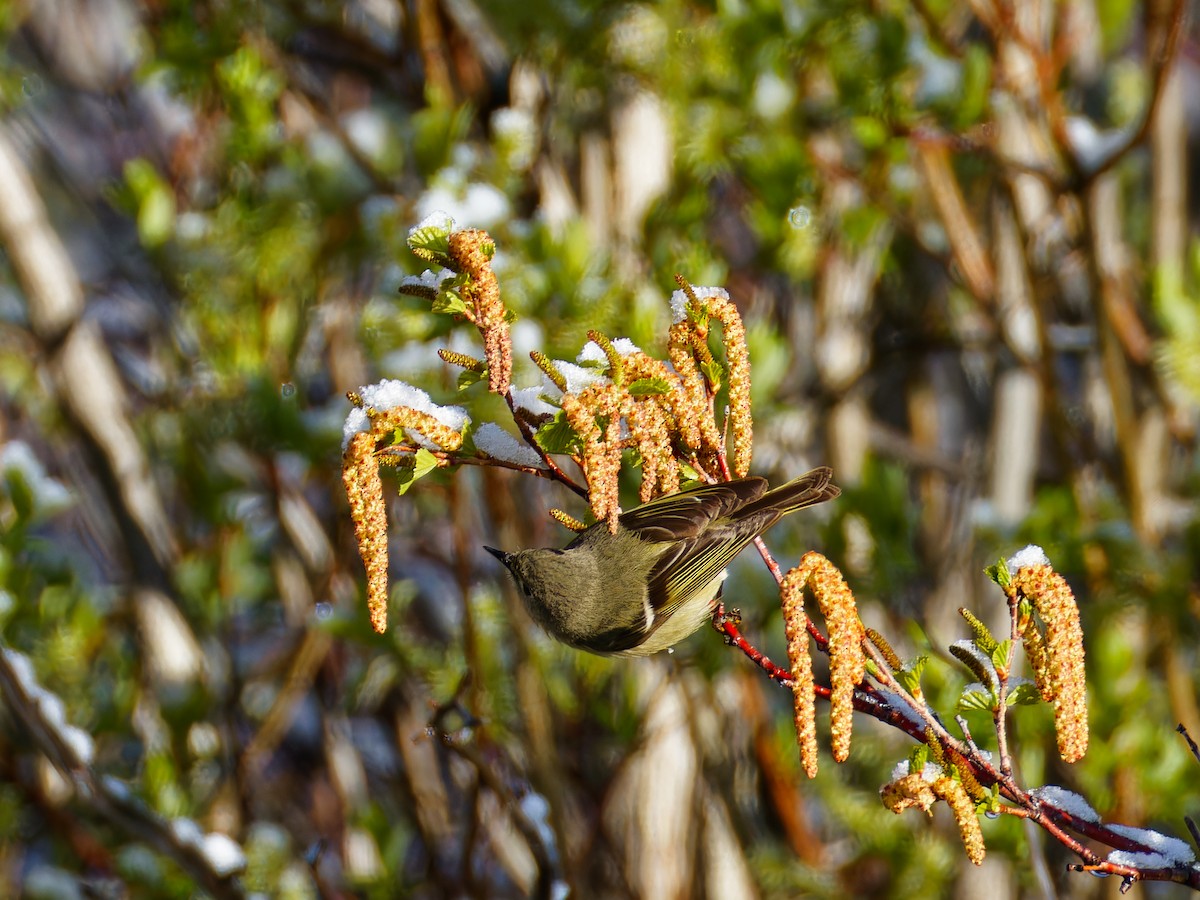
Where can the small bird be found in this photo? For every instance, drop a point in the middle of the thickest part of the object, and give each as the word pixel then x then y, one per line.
pixel 659 577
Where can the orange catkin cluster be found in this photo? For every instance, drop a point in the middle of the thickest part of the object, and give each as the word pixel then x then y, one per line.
pixel 1057 658
pixel 469 251
pixel 364 490
pixel 847 662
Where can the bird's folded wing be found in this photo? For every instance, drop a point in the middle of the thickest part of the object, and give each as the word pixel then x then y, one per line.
pixel 688 514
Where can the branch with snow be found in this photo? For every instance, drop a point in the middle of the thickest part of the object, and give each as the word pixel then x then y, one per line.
pixel 212 859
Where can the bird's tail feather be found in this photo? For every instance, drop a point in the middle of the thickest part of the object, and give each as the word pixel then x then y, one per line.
pixel 809 489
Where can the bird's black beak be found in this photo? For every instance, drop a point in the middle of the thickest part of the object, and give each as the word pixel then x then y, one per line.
pixel 499 554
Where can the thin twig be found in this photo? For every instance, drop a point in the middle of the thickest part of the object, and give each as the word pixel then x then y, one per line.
pixel 1000 714
pixel 1162 66
pixel 1191 743
pixel 727 625
pixel 555 472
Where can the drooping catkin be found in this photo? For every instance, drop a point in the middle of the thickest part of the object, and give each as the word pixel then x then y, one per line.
pixel 601 456
pixel 737 360
pixel 1063 667
pixel 963 808
pixel 697 427
pixel 847 662
pixel 469 252
pixel 364 490
pixel 804 712
pixel 648 428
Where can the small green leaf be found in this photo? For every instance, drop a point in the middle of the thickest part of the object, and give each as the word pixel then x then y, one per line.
pixel 910 675
pixel 468 377
pixel 423 463
pixel 991 802
pixel 648 387
pixel 917 759
pixel 1000 654
pixel 977 699
pixel 713 372
pixel 404 479
pixel 999 574
pixel 450 303
pixel 556 435
pixel 156 217
pixel 432 239
pixel 156 202
pixel 1024 693
pixel 1024 609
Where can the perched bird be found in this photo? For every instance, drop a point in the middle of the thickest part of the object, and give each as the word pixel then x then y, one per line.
pixel 658 578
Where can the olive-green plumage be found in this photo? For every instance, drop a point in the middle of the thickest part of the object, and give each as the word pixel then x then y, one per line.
pixel 658 578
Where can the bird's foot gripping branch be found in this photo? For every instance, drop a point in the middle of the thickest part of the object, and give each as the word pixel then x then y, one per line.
pixel 617 406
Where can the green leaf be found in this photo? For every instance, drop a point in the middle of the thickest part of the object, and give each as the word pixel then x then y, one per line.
pixel 1024 609
pixel 557 436
pixel 991 802
pixel 1023 694
pixel 999 574
pixel 468 377
pixel 404 479
pixel 910 675
pixel 423 463
pixel 450 303
pixel 977 699
pixel 1000 654
pixel 713 372
pixel 432 239
pixel 918 758
pixel 648 387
